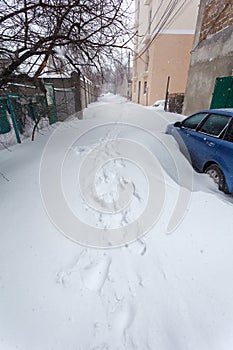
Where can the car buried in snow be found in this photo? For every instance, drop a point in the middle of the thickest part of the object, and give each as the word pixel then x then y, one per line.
pixel 159 105
pixel 206 138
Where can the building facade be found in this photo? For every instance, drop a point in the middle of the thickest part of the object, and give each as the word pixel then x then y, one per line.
pixel 165 32
pixel 212 54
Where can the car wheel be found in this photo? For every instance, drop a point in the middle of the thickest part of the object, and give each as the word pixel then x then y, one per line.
pixel 217 175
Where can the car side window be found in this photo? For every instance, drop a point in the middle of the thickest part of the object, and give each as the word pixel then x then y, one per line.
pixel 214 124
pixel 193 121
pixel 229 133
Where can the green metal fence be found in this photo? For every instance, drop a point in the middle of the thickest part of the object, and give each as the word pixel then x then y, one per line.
pixel 51 103
pixel 223 93
pixel 16 108
pixel 5 126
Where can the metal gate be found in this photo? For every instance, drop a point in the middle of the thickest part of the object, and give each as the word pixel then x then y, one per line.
pixel 5 126
pixel 223 93
pixel 51 103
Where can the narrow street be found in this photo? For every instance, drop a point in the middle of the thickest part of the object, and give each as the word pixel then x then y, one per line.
pixel 110 240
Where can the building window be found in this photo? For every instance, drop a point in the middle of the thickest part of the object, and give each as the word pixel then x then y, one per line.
pixel 134 87
pixel 145 87
pixel 149 21
pixel 147 60
pixel 139 91
pixel 136 40
pixel 138 10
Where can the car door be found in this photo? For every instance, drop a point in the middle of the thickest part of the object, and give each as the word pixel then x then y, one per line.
pixel 187 132
pixel 225 151
pixel 206 141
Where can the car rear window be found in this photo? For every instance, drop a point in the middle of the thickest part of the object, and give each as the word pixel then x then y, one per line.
pixel 193 121
pixel 214 124
pixel 229 133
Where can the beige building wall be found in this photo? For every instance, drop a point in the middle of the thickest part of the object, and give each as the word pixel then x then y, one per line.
pixel 162 48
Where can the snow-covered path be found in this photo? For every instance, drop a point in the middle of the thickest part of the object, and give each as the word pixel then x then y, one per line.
pixel 164 291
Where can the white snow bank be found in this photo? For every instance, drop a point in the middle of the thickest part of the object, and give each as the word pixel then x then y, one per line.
pixel 161 292
pixel 9 139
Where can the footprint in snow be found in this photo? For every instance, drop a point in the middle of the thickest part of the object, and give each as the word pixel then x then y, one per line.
pixel 95 273
pixel 102 346
pixel 123 318
pixel 138 247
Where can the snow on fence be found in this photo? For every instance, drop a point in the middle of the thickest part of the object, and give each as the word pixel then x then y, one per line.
pixel 26 110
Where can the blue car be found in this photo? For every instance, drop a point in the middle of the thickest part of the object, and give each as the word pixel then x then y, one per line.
pixel 206 138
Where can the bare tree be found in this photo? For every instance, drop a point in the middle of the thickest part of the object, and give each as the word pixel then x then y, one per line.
pixel 80 32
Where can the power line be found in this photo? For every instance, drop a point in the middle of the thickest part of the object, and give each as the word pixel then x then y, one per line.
pixel 166 11
pixel 165 20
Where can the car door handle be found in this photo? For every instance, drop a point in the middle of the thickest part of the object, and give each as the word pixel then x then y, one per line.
pixel 210 143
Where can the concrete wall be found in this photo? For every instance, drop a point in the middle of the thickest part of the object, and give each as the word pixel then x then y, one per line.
pixel 173 60
pixel 212 54
pixel 169 56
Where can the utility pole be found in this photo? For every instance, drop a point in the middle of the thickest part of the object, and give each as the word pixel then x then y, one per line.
pixel 167 93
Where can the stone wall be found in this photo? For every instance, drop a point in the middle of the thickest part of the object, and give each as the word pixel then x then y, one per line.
pixel 218 15
pixel 212 54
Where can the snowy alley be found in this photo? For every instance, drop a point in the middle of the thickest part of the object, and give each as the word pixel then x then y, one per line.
pixel 163 283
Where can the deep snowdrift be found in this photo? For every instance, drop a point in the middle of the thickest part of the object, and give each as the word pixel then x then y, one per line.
pixel 164 291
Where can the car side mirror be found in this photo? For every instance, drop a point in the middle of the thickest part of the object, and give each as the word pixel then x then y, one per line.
pixel 177 124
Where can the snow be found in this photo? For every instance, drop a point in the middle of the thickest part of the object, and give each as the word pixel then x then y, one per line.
pixel 9 139
pixel 166 290
pixel 60 52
